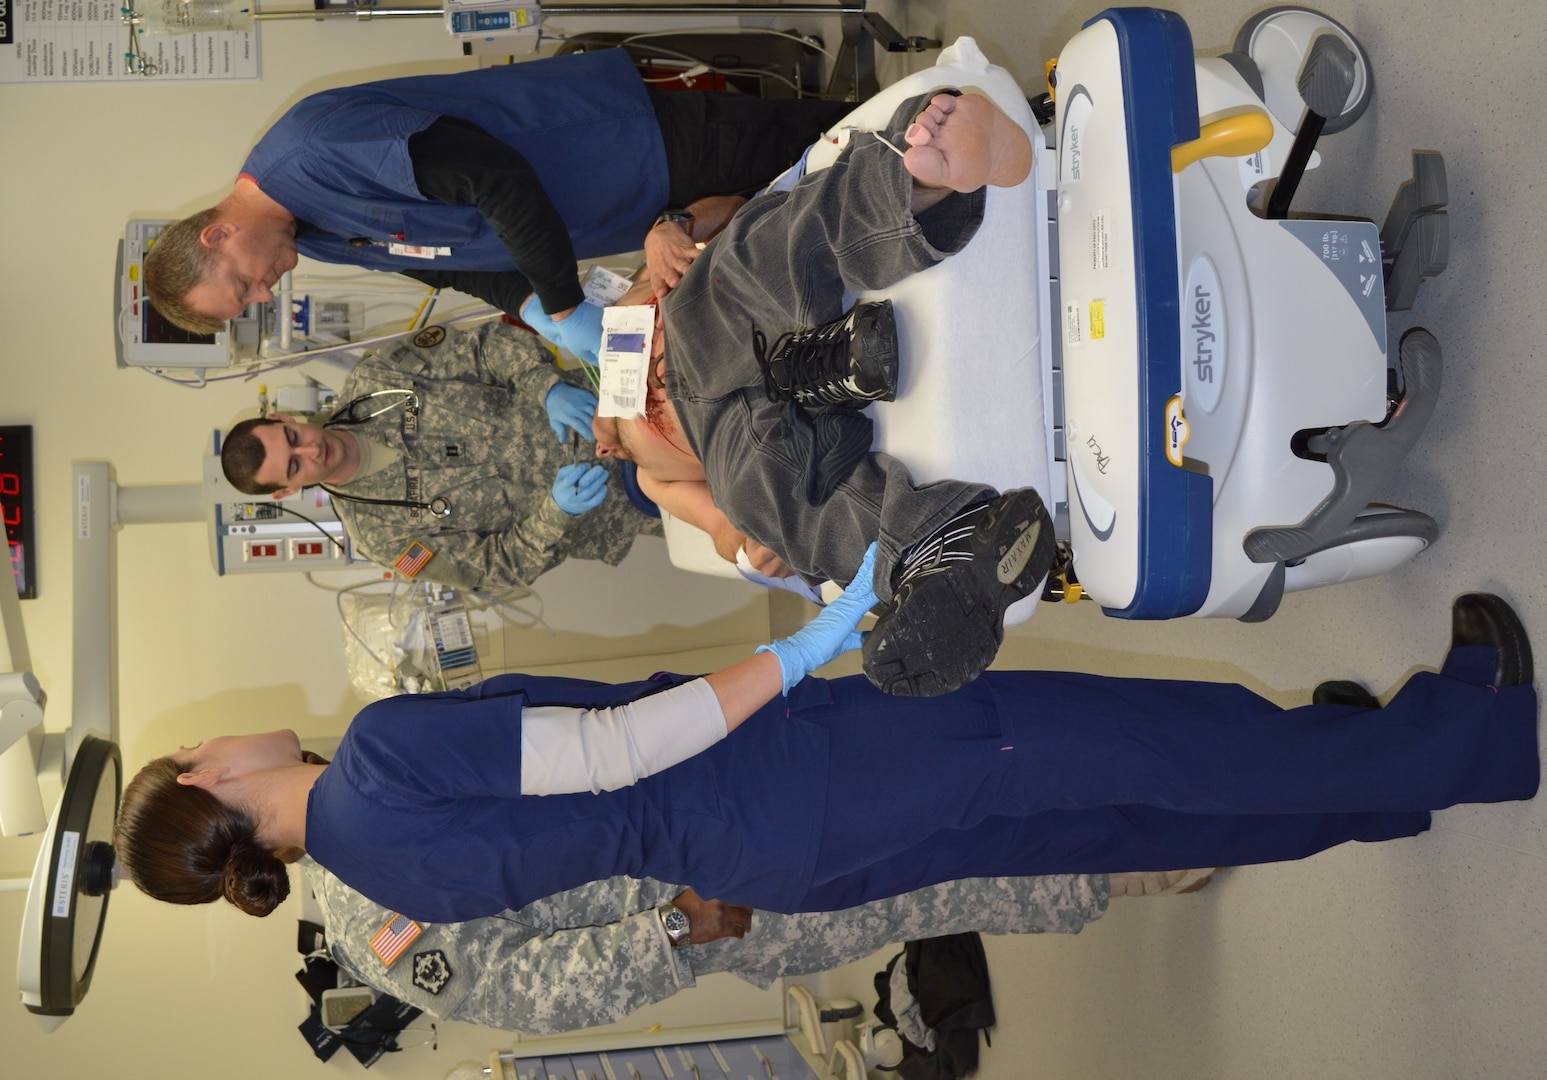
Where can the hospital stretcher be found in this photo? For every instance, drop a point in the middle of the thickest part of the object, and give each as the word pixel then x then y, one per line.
pixel 1202 389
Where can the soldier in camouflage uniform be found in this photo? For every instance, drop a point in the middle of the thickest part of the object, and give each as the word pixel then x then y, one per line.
pixel 479 438
pixel 594 954
pixel 483 442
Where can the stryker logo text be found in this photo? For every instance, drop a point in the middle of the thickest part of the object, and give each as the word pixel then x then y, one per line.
pixel 1203 336
pixel 1205 327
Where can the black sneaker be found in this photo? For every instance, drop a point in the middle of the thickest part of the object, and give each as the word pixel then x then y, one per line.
pixel 945 621
pixel 849 361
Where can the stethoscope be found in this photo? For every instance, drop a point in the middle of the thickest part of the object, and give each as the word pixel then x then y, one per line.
pixel 348 415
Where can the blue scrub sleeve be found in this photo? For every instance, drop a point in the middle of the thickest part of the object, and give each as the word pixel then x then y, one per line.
pixel 449 745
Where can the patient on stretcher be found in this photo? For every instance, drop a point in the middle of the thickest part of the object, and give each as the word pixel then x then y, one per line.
pixel 725 419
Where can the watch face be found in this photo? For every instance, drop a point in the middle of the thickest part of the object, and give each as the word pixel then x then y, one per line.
pixel 676 923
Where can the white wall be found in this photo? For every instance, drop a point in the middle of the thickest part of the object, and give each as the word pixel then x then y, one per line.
pixel 182 992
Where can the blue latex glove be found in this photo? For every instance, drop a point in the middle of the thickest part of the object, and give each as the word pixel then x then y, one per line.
pixel 831 633
pixel 579 486
pixel 580 333
pixel 570 407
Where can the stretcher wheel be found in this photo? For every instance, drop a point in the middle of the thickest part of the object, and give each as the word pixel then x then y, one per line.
pixel 1381 538
pixel 1278 40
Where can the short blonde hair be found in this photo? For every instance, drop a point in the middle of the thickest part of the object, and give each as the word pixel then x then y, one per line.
pixel 177 262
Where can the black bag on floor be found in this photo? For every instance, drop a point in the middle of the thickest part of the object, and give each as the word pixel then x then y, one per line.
pixel 948 977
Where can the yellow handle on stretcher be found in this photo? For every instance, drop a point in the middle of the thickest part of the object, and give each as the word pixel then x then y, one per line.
pixel 1234 136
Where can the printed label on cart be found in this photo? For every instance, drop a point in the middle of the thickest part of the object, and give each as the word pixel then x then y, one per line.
pixel 1074 331
pixel 1254 168
pixel 1100 241
pixel 1350 251
pixel 1098 320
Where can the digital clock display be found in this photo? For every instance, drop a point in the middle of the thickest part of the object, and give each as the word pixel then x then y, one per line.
pixel 16 503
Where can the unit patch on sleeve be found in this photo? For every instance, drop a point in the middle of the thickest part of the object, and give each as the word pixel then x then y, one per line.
pixel 431 972
pixel 430 337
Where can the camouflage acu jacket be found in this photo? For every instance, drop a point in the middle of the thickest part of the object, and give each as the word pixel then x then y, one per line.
pixel 595 954
pixel 479 439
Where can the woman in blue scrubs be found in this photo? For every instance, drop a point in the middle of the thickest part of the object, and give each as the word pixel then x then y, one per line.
pixel 454 806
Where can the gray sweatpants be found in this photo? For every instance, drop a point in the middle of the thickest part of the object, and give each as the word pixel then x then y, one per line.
pixel 784 263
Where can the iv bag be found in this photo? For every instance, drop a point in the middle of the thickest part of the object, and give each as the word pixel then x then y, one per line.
pixel 188 16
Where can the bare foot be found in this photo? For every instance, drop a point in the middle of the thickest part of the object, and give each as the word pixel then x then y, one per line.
pixel 962 143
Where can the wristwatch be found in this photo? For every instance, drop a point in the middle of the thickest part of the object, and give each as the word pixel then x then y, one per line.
pixel 678 217
pixel 675 922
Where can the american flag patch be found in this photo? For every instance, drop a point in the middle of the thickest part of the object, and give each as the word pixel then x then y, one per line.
pixel 413 559
pixel 397 935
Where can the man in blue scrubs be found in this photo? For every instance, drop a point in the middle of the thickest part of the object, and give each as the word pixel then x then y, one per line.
pixel 491 181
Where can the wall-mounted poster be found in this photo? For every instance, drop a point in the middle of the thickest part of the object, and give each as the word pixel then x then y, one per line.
pixel 56 41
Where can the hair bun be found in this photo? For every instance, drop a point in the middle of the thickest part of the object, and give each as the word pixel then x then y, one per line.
pixel 255 879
